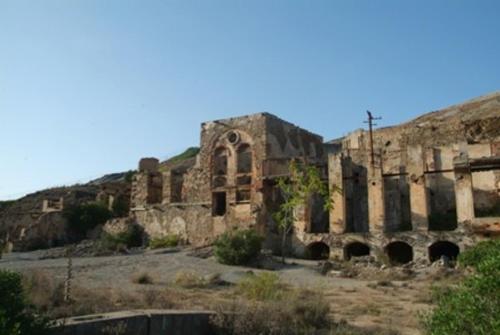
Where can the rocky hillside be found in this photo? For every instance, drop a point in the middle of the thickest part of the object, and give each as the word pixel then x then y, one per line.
pixel 473 121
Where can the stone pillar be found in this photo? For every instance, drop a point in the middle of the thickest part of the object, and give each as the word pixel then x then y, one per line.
pixel 463 189
pixel 166 187
pixel 376 210
pixel 418 194
pixel 139 192
pixel 335 181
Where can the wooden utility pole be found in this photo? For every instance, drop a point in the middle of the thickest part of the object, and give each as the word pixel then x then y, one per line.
pixel 370 127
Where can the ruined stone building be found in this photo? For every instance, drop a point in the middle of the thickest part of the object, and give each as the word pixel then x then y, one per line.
pixel 429 188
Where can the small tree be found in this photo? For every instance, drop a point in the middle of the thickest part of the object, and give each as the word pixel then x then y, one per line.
pixel 304 182
pixel 84 217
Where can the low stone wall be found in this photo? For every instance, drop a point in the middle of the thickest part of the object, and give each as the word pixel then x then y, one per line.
pixel 140 322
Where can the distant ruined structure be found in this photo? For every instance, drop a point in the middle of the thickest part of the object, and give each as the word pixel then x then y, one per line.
pixel 429 188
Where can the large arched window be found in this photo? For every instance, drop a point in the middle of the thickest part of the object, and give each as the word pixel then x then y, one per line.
pixel 220 162
pixel 244 159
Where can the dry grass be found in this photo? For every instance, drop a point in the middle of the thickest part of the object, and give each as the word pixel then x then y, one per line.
pixel 189 279
pixel 299 312
pixel 263 286
pixel 299 309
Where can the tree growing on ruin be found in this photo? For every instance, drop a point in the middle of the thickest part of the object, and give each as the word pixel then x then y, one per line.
pixel 297 190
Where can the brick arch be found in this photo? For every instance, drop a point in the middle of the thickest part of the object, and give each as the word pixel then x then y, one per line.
pixel 356 249
pixel 318 250
pixel 399 252
pixel 439 249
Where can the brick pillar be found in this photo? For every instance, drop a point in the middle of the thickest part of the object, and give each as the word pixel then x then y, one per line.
pixel 335 180
pixel 418 194
pixel 463 189
pixel 376 210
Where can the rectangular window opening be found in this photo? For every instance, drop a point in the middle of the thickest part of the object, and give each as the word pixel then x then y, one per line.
pixel 219 204
pixel 242 196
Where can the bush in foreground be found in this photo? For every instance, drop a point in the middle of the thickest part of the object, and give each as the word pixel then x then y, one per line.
pixel 472 307
pixel 237 247
pixel 15 316
pixel 479 253
pixel 263 286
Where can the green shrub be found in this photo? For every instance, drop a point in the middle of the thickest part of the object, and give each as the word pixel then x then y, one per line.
pixel 15 317
pixel 128 239
pixel 237 247
pixel 84 217
pixel 263 286
pixel 472 307
pixel 480 252
pixel 164 242
pixel 120 207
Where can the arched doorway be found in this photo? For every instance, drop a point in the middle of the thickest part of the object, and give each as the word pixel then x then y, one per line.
pixel 443 248
pixel 318 250
pixel 356 249
pixel 399 252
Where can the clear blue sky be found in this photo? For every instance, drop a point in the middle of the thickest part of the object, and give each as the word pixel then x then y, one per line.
pixel 88 87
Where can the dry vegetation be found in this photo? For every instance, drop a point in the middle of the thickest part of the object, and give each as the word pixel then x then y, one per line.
pixel 261 304
pixel 177 280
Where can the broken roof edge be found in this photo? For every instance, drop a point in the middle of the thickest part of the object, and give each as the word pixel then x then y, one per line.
pixel 265 115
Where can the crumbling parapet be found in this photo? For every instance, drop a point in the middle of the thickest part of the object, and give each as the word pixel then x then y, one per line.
pixel 147 185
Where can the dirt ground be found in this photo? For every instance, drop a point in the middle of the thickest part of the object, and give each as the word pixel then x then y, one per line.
pixel 384 303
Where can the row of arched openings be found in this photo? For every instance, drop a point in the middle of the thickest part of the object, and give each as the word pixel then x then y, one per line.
pixel 398 252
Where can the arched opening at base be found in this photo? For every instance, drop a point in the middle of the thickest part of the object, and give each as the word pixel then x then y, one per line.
pixel 356 249
pixel 318 250
pixel 443 248
pixel 399 252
